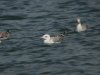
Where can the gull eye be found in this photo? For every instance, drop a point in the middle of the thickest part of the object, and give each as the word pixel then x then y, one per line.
pixel 45 36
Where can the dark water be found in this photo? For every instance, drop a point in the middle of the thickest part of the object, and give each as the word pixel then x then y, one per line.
pixel 24 52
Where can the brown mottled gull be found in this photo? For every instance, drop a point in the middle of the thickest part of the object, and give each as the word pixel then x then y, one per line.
pixel 52 39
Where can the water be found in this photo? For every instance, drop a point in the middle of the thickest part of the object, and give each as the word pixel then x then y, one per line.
pixel 24 52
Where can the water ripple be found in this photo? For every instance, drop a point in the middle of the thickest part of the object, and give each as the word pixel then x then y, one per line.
pixel 24 53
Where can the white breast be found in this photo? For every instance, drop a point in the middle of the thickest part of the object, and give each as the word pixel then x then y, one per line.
pixel 48 41
pixel 79 28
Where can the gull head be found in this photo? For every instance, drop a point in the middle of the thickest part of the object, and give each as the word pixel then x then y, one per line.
pixel 46 36
pixel 78 20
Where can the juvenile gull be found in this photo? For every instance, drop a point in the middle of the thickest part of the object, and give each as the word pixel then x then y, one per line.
pixel 80 27
pixel 4 35
pixel 52 39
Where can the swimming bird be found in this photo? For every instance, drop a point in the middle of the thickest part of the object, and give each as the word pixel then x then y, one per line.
pixel 80 27
pixel 52 39
pixel 4 35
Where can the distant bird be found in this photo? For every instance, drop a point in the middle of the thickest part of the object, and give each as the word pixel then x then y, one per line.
pixel 52 39
pixel 80 27
pixel 4 35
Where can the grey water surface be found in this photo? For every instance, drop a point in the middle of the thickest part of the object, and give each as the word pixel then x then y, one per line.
pixel 24 53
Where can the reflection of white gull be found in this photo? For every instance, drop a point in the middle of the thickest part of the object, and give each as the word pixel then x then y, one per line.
pixel 4 35
pixel 80 27
pixel 54 39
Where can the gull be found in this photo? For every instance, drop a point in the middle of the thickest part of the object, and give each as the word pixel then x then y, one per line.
pixel 80 27
pixel 4 35
pixel 52 39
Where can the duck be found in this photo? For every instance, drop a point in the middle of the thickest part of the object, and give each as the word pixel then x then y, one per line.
pixel 80 27
pixel 52 39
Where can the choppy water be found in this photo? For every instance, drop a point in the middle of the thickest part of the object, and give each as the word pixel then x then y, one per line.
pixel 24 52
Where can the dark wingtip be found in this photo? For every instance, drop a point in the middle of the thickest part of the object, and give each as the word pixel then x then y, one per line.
pixel 62 35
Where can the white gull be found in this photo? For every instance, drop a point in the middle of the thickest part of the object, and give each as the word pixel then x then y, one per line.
pixel 80 27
